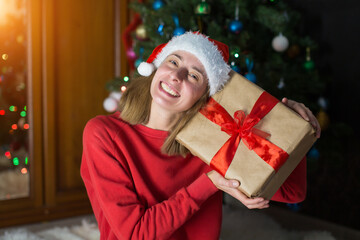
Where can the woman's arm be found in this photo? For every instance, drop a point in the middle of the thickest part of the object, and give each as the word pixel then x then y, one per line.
pixel 115 200
pixel 293 190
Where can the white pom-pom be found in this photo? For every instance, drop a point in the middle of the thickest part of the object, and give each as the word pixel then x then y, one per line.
pixel 280 43
pixel 146 69
pixel 110 104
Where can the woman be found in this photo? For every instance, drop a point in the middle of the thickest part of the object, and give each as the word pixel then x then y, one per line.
pixel 141 183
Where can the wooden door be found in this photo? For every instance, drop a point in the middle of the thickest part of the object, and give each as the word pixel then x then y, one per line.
pixel 73 51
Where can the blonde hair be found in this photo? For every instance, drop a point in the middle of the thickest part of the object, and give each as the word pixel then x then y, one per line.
pixel 135 106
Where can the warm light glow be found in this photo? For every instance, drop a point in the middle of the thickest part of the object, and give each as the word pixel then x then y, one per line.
pixel 24 171
pixel 11 7
pixel 5 56
pixel 2 112
pixel 123 88
pixel 14 126
pixel 20 39
pixel 26 126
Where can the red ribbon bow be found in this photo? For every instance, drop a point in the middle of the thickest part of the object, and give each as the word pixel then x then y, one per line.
pixel 242 127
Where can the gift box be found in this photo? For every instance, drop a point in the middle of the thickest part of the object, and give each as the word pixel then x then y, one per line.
pixel 246 134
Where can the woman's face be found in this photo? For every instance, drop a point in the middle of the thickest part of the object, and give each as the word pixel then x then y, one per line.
pixel 179 82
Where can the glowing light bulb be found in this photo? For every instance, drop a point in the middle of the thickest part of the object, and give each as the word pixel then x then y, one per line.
pixel 13 108
pixel 4 56
pixel 16 161
pixel 26 126
pixel 14 126
pixel 123 88
pixel 8 154
pixel 24 171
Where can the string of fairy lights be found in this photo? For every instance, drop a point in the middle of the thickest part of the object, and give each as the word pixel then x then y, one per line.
pixel 14 124
pixel 20 125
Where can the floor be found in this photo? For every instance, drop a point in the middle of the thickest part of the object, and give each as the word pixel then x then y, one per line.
pixel 241 223
pixel 293 221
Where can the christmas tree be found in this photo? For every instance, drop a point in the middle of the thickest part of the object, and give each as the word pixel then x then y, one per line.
pixel 13 108
pixel 267 47
pixel 261 35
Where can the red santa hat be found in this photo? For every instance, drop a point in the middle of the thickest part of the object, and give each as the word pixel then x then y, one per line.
pixel 213 54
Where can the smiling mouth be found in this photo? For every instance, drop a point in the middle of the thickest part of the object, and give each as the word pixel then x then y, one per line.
pixel 168 90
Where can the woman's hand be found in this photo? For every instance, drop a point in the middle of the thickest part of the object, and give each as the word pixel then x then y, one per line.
pixel 231 187
pixel 304 113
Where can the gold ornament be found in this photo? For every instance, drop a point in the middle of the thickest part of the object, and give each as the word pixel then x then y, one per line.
pixel 323 119
pixel 141 32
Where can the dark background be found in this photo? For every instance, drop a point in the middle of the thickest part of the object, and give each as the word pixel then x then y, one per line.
pixel 334 25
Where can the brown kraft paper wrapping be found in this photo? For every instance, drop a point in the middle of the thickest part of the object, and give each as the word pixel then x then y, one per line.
pixel 288 130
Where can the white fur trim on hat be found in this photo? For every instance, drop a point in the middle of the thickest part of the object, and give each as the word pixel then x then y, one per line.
pixel 207 52
pixel 146 69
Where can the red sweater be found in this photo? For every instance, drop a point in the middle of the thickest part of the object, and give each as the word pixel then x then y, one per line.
pixel 138 193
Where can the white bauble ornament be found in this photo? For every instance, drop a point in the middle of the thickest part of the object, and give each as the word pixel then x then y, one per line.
pixel 280 43
pixel 116 95
pixel 111 103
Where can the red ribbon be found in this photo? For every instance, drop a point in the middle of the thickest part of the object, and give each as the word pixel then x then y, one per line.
pixel 242 127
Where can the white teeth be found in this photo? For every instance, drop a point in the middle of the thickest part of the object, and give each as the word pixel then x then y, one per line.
pixel 169 90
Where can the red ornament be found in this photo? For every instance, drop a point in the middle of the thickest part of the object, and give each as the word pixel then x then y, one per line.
pixel 127 40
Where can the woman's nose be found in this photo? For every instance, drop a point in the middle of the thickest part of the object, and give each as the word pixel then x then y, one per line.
pixel 179 74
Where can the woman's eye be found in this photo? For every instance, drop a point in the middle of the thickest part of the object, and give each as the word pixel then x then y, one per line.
pixel 194 76
pixel 173 62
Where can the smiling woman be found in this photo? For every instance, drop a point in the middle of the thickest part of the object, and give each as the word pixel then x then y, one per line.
pixel 141 182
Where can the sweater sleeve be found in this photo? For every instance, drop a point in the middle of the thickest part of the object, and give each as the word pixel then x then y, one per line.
pixel 293 189
pixel 113 195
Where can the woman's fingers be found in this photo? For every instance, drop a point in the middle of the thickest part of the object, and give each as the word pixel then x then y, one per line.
pixel 305 113
pixel 259 205
pixel 250 203
pixel 231 187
